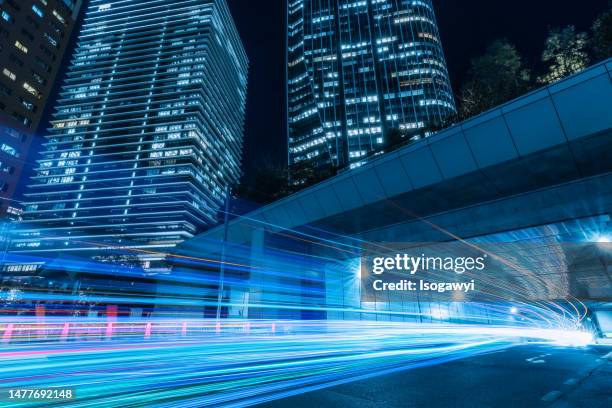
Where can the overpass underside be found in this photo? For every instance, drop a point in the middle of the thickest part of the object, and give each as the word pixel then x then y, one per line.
pixel 529 183
pixel 550 243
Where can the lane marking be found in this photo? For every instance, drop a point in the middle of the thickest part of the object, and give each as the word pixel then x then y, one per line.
pixel 537 359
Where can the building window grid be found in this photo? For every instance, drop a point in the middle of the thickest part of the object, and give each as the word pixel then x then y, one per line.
pixel 407 110
pixel 97 145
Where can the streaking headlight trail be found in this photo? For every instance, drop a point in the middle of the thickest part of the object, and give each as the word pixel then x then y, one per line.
pixel 195 363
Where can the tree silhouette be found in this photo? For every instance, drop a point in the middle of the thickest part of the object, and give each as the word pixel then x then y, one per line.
pixel 495 77
pixel 565 54
pixel 602 35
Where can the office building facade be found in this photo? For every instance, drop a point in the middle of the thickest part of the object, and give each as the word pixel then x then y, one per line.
pixel 357 70
pixel 34 35
pixel 147 133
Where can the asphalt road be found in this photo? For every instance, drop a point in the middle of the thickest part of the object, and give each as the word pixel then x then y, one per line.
pixel 522 377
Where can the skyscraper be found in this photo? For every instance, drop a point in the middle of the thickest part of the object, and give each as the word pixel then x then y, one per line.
pixel 358 69
pixel 148 129
pixel 33 39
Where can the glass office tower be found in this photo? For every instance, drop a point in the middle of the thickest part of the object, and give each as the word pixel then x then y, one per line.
pixel 34 36
pixel 357 69
pixel 148 129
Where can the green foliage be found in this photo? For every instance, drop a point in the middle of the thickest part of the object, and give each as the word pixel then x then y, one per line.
pixel 272 182
pixel 602 36
pixel 440 124
pixel 307 173
pixel 393 138
pixel 267 184
pixel 565 53
pixel 496 77
pixel 304 173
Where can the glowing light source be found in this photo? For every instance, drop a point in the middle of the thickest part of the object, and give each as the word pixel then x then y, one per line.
pixel 440 314
pixel 223 364
pixel 574 339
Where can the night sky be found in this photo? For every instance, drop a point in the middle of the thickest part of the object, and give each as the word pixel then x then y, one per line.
pixel 466 26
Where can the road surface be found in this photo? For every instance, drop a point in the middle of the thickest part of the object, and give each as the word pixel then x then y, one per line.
pixel 527 376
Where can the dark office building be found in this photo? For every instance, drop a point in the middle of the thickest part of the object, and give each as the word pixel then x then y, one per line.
pixel 147 132
pixel 33 38
pixel 357 69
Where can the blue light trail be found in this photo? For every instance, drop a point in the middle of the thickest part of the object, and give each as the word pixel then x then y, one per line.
pixel 194 363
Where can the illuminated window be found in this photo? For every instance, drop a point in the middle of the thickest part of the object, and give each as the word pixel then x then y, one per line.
pixel 7 17
pixel 27 104
pixel 22 119
pixel 37 11
pixel 9 74
pixel 50 39
pixel 31 89
pixel 9 150
pixel 21 47
pixel 59 17
pixel 7 169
